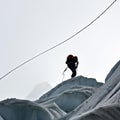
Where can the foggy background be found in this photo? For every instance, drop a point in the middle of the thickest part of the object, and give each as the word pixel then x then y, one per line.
pixel 28 27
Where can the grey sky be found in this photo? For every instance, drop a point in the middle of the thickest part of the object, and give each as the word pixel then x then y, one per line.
pixel 29 27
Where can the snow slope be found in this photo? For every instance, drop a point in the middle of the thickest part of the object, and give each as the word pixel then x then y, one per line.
pixel 13 109
pixel 107 95
pixel 77 89
pixel 78 98
pixel 74 83
pixel 113 71
pixel 53 105
pixel 111 112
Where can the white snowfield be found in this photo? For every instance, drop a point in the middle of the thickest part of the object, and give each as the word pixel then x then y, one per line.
pixel 79 98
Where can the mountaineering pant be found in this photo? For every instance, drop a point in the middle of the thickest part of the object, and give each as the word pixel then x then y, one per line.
pixel 73 72
pixel 73 69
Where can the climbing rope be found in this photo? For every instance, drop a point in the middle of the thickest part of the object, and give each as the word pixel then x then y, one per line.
pixel 49 49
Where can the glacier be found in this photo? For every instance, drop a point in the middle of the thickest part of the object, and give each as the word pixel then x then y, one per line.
pixel 79 98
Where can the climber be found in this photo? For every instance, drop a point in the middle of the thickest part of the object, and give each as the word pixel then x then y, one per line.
pixel 72 64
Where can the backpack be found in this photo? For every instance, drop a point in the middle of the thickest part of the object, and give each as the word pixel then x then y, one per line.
pixel 76 59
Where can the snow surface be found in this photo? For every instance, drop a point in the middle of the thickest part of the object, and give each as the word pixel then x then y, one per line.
pixel 111 112
pixel 107 94
pixel 77 89
pixel 13 109
pixel 70 84
pixel 113 70
pixel 79 98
